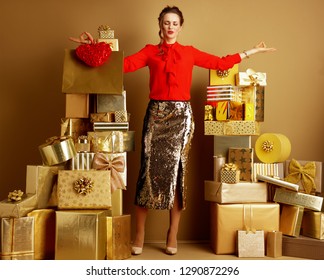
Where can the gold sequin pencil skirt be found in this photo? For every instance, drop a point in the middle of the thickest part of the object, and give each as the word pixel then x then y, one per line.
pixel 167 133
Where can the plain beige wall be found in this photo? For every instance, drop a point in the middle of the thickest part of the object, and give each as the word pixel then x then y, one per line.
pixel 33 38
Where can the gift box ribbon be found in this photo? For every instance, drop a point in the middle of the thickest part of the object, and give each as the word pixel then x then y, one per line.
pixel 255 78
pixel 116 166
pixel 304 174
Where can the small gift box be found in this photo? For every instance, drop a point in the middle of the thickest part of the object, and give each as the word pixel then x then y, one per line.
pixel 236 110
pixel 82 161
pixel 250 244
pixel 243 159
pixel 106 141
pixel 274 244
pixel 18 208
pixel 313 224
pixel 83 189
pixel 105 32
pixel 291 219
pixel 231 128
pixel 121 116
pixel 248 112
pixel 113 43
pixel 57 150
pixel 83 144
pixel 209 113
pixel 102 117
pixel 222 110
pixel 17 238
pixel 223 77
pixel 230 174
pixel 250 77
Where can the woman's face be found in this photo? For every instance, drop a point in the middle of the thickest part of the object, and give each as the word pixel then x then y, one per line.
pixel 170 27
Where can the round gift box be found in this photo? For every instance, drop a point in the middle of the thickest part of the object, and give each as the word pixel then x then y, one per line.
pixel 272 147
pixel 57 151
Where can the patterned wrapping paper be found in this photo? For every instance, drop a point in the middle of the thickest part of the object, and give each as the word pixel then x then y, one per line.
pixel 106 141
pixel 18 209
pixel 102 117
pixel 308 201
pixel 274 244
pixel 231 128
pixel 243 159
pixel 75 127
pixel 17 238
pixel 313 224
pixel 44 233
pixel 291 219
pixel 230 176
pixel 81 235
pixel 40 180
pixel 259 106
pixel 275 170
pixel 227 219
pixel 235 193
pixel 236 111
pixel 118 237
pixel 92 191
pixel 250 244
pixel 82 161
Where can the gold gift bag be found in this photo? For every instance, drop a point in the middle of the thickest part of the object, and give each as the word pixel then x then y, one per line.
pixel 80 78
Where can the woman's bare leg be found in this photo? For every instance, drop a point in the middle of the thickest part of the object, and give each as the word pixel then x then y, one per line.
pixel 175 215
pixel 140 216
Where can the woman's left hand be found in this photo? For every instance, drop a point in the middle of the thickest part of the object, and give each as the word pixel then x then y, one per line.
pixel 261 47
pixel 84 38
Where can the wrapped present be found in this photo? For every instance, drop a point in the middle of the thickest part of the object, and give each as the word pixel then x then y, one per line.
pixel 303 247
pixel 82 161
pixel 77 105
pixel 17 238
pixel 104 126
pixel 113 43
pixel 308 201
pixel 235 110
pixel 83 144
pixel 80 78
pixel 250 77
pixel 110 102
pixel 306 174
pixel 222 93
pixel 278 182
pixel 57 150
pixel 116 164
pixel 102 117
pixel 274 244
pixel 243 159
pixel 259 104
pixel 219 162
pixel 40 180
pixel 44 233
pixel 272 147
pixel 225 77
pixel 16 209
pixel 118 237
pixel 229 174
pixel 235 193
pixel 81 235
pixel 129 141
pixel 250 244
pixel 231 128
pixel 248 112
pixel 106 141
pixel 272 170
pixel 75 127
pixel 209 113
pixel 83 189
pixel 117 203
pixel 121 116
pixel 105 32
pixel 290 219
pixel 227 219
pixel 222 110
pixel 222 143
pixel 313 224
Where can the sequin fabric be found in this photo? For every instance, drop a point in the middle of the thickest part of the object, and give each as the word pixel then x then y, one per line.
pixel 167 134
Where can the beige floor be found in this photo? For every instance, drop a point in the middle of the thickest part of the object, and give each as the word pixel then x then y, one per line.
pixel 190 251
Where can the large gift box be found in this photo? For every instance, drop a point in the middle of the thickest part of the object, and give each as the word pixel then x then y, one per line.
pixel 313 224
pixel 223 143
pixel 44 233
pixel 226 77
pixel 291 219
pixel 118 237
pixel 81 235
pixel 17 209
pixel 232 128
pixel 40 180
pixel 106 141
pixel 235 193
pixel 17 238
pixel 227 219
pixel 83 189
pixel 80 78
pixel 243 159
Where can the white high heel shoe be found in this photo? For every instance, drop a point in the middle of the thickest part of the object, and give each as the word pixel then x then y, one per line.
pixel 137 250
pixel 171 250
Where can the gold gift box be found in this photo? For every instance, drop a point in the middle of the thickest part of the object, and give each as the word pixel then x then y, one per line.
pixel 274 244
pixel 102 117
pixel 58 150
pixel 223 77
pixel 231 128
pixel 291 219
pixel 80 78
pixel 81 235
pixel 83 189
pixel 308 201
pixel 77 105
pixel 248 109
pixel 106 141
pixel 82 161
pixel 227 219
pixel 17 209
pixel 235 193
pixel 40 180
pixel 250 244
pixel 313 224
pixel 222 110
pixel 110 102
pixel 17 238
pixel 44 233
pixel 117 203
pixel 243 159
pixel 230 176
pixel 118 237
pixel 75 127
pixel 236 110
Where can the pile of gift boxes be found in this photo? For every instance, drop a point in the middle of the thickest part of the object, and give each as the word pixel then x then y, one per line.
pixel 72 204
pixel 262 203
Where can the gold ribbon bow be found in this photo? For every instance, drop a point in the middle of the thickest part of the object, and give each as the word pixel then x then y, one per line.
pixel 83 186
pixel 255 78
pixel 305 174
pixel 16 195
pixel 116 166
pixel 56 139
pixel 229 166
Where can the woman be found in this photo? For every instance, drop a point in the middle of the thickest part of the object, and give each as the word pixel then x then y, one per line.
pixel 168 124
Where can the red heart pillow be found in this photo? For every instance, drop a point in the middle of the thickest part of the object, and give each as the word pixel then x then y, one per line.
pixel 95 54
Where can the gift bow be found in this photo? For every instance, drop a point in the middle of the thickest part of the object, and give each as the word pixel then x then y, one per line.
pixel 56 139
pixel 116 166
pixel 16 195
pixel 254 78
pixel 305 174
pixel 229 166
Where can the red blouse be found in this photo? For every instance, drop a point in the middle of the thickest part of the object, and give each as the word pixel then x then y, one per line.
pixel 171 68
